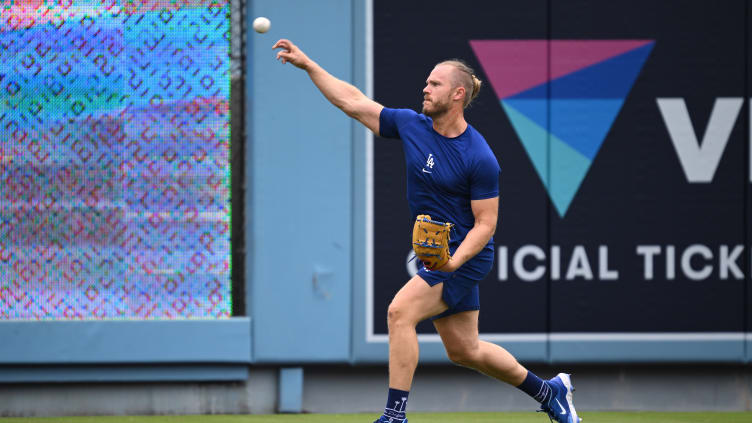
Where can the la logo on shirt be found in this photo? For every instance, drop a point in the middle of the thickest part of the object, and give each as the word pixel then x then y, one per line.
pixel 429 164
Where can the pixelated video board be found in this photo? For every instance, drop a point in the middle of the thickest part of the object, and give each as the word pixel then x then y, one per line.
pixel 114 159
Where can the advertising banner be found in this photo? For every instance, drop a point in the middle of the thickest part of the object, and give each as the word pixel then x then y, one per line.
pixel 622 131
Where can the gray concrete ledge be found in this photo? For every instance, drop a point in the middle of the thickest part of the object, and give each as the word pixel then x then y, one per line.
pixel 599 388
pixel 438 388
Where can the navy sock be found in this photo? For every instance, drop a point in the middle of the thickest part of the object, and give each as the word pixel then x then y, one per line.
pixel 536 388
pixel 396 404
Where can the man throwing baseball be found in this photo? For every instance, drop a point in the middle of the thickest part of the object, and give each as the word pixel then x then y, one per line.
pixel 452 177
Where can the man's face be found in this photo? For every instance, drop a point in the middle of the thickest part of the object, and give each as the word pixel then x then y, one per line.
pixel 437 95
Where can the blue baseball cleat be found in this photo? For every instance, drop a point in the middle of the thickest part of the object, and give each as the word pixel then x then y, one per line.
pixel 383 419
pixel 560 407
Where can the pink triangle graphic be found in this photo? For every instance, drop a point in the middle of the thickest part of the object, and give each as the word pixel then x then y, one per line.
pixel 515 66
pixel 512 66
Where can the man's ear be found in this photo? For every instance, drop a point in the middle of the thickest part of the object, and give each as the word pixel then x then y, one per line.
pixel 459 93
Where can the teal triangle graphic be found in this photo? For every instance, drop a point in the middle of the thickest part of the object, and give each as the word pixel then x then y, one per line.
pixel 563 123
pixel 570 168
pixel 532 133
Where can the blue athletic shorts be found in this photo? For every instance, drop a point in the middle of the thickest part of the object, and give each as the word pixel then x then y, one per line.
pixel 460 290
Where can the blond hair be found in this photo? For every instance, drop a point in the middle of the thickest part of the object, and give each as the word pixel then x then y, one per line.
pixel 464 76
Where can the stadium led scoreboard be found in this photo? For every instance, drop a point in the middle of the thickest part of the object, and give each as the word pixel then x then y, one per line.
pixel 115 193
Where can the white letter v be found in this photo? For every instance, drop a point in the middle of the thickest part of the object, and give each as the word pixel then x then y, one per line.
pixel 699 161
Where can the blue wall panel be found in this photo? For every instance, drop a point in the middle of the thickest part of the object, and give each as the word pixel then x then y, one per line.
pixel 299 170
pixel 669 348
pixel 124 373
pixel 126 341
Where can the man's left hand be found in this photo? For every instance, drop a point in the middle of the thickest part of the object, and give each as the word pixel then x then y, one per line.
pixel 449 266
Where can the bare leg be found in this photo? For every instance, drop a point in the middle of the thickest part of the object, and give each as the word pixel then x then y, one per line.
pixel 459 333
pixel 413 303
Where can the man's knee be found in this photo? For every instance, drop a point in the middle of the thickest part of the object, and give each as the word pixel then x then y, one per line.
pixel 463 355
pixel 397 315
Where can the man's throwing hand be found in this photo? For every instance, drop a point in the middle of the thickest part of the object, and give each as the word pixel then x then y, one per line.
pixel 291 53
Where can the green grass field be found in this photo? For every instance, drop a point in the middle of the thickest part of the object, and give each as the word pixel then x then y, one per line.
pixel 628 417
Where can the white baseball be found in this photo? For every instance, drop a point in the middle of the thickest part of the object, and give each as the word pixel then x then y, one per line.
pixel 261 24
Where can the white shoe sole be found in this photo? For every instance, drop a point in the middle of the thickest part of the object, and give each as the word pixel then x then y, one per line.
pixel 570 402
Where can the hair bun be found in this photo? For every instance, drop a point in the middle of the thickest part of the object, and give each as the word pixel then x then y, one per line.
pixel 476 87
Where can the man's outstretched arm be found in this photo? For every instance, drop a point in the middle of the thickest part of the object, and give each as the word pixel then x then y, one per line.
pixel 343 95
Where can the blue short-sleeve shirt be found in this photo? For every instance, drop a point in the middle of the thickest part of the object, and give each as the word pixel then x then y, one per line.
pixel 444 174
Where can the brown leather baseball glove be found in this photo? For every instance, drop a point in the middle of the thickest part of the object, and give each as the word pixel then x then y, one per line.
pixel 431 241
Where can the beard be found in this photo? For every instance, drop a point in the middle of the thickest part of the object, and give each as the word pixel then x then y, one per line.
pixel 434 109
